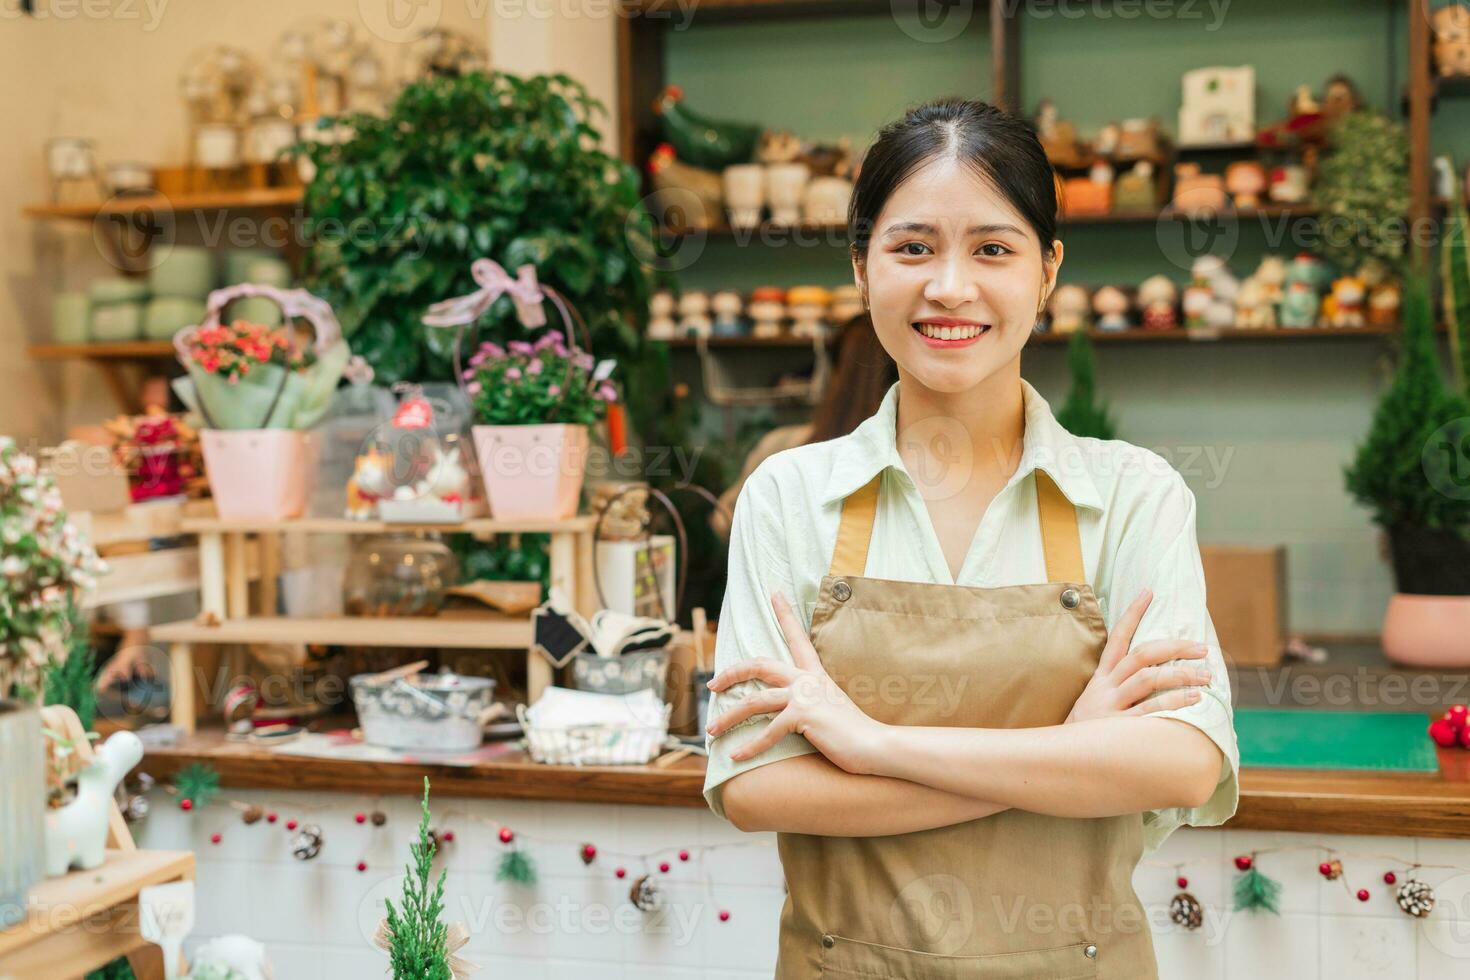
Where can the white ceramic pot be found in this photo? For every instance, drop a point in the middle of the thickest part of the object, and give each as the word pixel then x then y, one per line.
pixel 785 187
pixel 217 146
pixel 745 194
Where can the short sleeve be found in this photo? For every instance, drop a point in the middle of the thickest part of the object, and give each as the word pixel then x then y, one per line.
pixel 1160 551
pixel 759 566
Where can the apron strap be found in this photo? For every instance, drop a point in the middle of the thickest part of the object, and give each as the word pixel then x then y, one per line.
pixel 1060 540
pixel 855 532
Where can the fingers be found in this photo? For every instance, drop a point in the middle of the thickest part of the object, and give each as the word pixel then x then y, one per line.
pixel 797 640
pixel 1121 637
pixel 780 726
pixel 1158 652
pixel 772 672
pixel 1168 701
pixel 1161 678
pixel 767 701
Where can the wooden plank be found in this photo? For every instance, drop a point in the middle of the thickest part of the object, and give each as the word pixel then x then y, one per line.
pixel 125 350
pixel 147 575
pixel 183 707
pixel 1419 143
pixel 341 525
pixel 256 198
pixel 452 629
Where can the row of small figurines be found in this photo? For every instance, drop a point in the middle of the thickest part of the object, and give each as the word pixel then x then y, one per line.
pixel 1297 293
pixel 771 311
pixel 793 193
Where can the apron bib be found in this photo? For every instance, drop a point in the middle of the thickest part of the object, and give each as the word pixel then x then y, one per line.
pixel 1014 896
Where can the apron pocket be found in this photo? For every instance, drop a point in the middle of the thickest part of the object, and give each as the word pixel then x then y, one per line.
pixel 849 958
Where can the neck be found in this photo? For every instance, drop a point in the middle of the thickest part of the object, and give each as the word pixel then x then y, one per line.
pixel 975 435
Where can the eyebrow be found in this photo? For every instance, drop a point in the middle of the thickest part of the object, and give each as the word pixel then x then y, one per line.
pixel 922 228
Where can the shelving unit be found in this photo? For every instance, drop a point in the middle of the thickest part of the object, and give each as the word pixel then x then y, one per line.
pixel 227 617
pixel 242 200
pixel 122 365
pixel 1125 337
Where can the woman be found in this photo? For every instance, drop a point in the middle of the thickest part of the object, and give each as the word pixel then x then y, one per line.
pixel 862 376
pixel 966 671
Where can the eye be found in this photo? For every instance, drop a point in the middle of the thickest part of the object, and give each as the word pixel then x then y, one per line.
pixel 994 250
pixel 907 245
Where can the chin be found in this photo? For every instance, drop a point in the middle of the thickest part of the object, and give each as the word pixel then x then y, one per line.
pixel 957 371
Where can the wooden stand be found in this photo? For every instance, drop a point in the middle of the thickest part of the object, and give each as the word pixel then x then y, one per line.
pixel 86 919
pixel 227 618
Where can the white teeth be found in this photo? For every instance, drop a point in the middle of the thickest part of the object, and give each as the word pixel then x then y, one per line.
pixel 936 332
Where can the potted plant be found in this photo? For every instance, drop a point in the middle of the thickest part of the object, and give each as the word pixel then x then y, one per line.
pixel 45 561
pixel 1082 414
pixel 257 390
pixel 1408 473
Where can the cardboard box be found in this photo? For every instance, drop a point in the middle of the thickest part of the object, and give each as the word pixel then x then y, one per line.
pixel 1245 589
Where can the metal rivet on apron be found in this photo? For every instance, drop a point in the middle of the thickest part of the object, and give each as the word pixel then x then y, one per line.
pixel 1071 598
pixel 842 592
pixel 1090 952
pixel 828 941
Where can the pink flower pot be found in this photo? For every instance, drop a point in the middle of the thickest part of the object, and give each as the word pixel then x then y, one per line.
pixel 532 471
pixel 259 474
pixel 1427 630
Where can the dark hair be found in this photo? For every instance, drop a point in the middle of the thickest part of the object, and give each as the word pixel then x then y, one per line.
pixel 862 376
pixel 994 144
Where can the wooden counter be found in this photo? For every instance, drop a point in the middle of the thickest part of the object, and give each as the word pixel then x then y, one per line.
pixel 1320 802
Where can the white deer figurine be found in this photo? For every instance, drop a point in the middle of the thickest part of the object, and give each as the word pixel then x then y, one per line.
pixel 76 834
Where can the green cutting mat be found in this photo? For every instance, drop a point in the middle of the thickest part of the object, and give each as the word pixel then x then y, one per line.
pixel 1377 740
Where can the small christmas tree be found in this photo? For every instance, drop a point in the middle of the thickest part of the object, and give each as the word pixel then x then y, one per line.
pixel 416 938
pixel 1082 414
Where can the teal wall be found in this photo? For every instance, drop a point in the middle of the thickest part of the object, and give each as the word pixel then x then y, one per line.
pixel 1283 417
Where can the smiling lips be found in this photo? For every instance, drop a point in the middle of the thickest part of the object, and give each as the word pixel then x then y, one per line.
pixel 943 332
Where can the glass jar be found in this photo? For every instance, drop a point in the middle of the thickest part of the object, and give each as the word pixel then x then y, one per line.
pixel 398 575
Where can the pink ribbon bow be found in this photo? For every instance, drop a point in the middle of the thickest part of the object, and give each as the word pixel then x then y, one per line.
pixel 493 282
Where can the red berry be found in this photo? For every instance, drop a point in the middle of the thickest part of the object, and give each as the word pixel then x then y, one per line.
pixel 589 853
pixel 1464 734
pixel 361 818
pixel 1443 733
pixel 724 915
pixel 362 866
pixel 1458 715
pixel 270 818
pixel 215 838
pixel 621 872
pixel 683 855
pixel 663 866
pixel 1324 869
pixel 506 836
pixel 186 804
pixel 1243 863
pixel 1389 877
pixel 447 837
pixel 290 824
pixel 1362 894
pixel 1182 881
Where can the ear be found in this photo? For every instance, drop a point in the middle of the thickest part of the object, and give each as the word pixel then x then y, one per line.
pixel 1050 269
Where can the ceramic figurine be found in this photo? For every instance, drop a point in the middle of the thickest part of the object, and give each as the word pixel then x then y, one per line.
pixel 1451 24
pixel 1343 306
pixel 1219 106
pixel 778 146
pixel 1092 194
pixel 1105 144
pixel 1309 269
pixel 808 306
pixel 1212 269
pixel 1111 306
pixel 1253 307
pixel 1288 184
pixel 1340 99
pixel 1069 308
pixel 1383 305
pixel 687 197
pixel 1444 178
pixel 847 302
pixel 1135 190
pixel 694 318
pixel 1271 273
pixel 1246 182
pixel 447 479
pixel 1058 138
pixel 1198 193
pixel 1299 306
pixel 368 485
pixel 785 191
pixel 826 200
pixel 236 957
pixel 1197 301
pixel 711 144
pixel 1140 139
pixel 727 307
pixel 828 159
pixel 744 185
pixel 1157 298
pixel 76 834
pixel 661 324
pixel 767 310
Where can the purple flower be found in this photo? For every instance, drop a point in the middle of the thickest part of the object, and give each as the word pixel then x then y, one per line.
pixel 584 361
pixel 467 375
pixel 534 368
pixel 513 374
pixel 478 359
pixel 549 339
pixel 554 390
pixel 607 393
pixel 520 347
pixel 473 388
pixel 491 350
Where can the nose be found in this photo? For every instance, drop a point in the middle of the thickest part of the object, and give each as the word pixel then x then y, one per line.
pixel 954 284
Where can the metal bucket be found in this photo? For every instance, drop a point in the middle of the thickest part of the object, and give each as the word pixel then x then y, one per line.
pixel 22 807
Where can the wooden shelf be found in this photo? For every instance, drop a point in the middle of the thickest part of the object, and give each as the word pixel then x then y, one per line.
pixel 786 340
pixel 125 350
pixel 85 919
pixel 341 525
pixel 255 199
pixel 1232 334
pixel 452 629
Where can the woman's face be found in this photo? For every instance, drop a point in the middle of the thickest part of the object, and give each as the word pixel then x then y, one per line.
pixel 955 278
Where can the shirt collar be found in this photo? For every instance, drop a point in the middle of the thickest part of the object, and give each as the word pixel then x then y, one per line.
pixel 872 448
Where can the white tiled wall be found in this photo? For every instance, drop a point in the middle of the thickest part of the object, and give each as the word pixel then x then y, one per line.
pixel 576 923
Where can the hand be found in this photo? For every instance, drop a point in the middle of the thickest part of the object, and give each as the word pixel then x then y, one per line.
pixel 804 699
pixel 130 661
pixel 1125 678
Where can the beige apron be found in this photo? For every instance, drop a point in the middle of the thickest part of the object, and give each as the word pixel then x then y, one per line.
pixel 1014 896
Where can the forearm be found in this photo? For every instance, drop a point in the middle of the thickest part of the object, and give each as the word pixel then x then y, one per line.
pixel 809 795
pixel 1096 768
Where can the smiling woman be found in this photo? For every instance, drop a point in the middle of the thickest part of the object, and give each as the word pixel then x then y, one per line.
pixel 965 659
